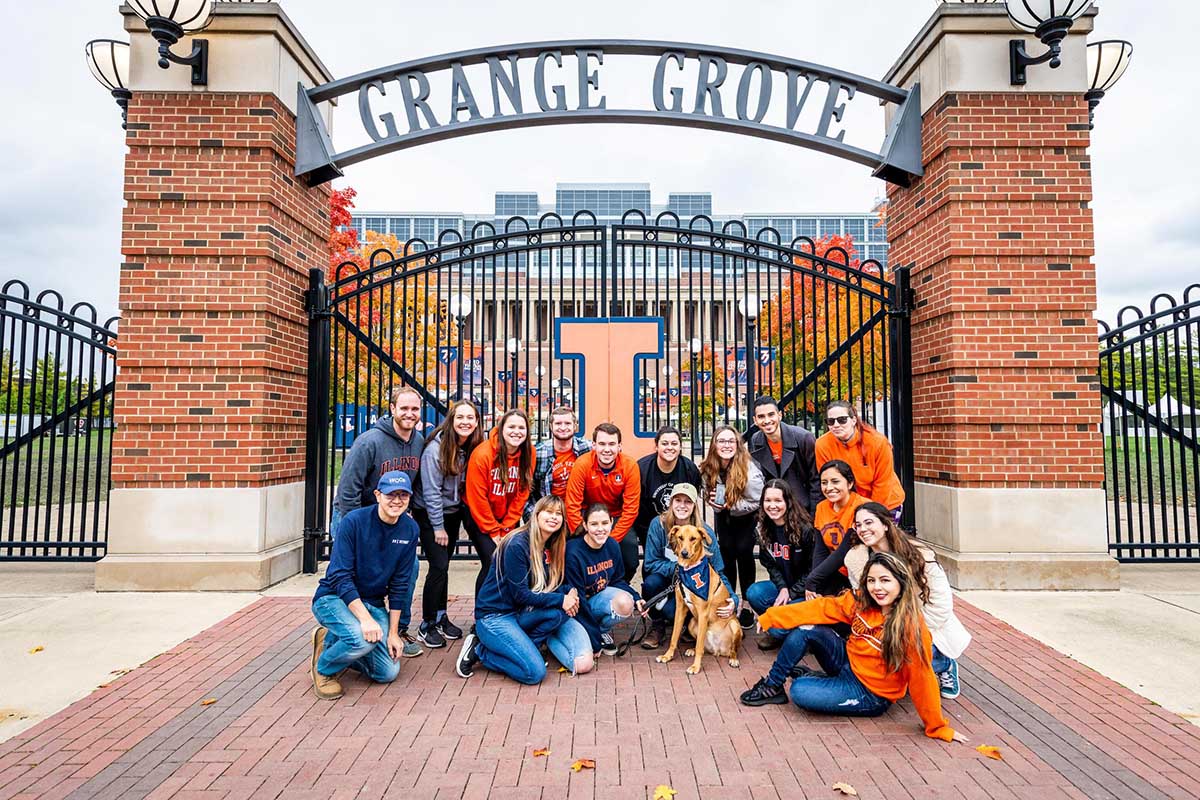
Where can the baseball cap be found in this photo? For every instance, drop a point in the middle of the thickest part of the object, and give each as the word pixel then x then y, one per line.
pixel 394 481
pixel 687 490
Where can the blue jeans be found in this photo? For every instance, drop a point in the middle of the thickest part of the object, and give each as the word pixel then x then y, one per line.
pixel 601 605
pixel 345 645
pixel 940 663
pixel 652 584
pixel 761 595
pixel 509 643
pixel 335 522
pixel 840 692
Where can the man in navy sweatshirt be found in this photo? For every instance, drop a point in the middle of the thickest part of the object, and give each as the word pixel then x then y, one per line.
pixel 374 556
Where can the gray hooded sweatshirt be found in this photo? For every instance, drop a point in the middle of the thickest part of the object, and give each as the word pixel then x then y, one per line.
pixel 375 452
pixel 436 492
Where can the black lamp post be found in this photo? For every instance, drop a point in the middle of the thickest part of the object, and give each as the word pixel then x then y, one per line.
pixel 460 306
pixel 108 61
pixel 749 307
pixel 513 346
pixel 1049 21
pixel 1107 61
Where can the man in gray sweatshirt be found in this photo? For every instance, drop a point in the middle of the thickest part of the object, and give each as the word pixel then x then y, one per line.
pixel 393 443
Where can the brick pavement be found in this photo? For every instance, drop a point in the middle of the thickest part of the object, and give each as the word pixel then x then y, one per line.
pixel 1064 730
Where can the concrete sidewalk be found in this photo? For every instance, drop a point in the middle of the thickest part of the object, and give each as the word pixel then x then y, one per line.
pixel 1145 637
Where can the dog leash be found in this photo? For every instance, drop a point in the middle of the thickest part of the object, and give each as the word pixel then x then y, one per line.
pixel 639 629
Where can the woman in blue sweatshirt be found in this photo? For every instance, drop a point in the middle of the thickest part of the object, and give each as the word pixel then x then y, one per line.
pixel 523 604
pixel 596 570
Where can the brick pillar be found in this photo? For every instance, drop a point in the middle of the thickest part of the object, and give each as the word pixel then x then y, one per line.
pixel 1007 449
pixel 208 460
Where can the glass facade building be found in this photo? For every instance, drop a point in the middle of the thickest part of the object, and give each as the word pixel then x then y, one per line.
pixel 609 201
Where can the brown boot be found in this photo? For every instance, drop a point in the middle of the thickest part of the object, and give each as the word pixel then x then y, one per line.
pixel 654 637
pixel 325 686
pixel 769 642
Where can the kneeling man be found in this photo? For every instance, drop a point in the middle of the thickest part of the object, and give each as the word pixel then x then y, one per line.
pixel 374 555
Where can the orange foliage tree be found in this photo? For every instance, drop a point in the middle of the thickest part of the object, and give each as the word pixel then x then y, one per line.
pixel 403 316
pixel 812 315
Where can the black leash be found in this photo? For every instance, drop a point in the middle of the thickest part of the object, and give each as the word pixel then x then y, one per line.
pixel 639 628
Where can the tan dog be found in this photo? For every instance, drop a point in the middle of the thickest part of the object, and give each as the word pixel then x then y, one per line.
pixel 721 637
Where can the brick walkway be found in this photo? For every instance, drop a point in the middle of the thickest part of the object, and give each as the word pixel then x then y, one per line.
pixel 1064 731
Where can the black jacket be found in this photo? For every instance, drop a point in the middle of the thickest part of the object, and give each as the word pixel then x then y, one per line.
pixel 789 566
pixel 798 466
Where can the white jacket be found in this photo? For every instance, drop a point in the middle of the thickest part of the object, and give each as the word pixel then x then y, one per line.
pixel 949 635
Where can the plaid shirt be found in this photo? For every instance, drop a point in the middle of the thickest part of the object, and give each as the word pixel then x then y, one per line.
pixel 542 471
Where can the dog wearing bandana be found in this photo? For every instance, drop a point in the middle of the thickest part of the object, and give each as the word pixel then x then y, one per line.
pixel 699 592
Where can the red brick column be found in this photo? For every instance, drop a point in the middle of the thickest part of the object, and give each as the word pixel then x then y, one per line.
pixel 218 237
pixel 1007 450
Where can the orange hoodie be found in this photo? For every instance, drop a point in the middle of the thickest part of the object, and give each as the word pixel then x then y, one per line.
pixel 620 489
pixel 869 454
pixel 865 652
pixel 834 525
pixel 494 496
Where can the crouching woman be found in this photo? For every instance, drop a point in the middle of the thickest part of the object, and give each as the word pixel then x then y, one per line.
pixel 596 570
pixel 887 655
pixel 524 605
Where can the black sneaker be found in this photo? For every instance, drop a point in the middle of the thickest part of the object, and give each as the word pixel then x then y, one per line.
pixel 607 645
pixel 763 693
pixel 746 618
pixel 467 657
pixel 430 635
pixel 449 629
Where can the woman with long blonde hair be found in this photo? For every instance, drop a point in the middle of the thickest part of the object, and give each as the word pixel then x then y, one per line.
pixel 887 655
pixel 524 604
pixel 733 485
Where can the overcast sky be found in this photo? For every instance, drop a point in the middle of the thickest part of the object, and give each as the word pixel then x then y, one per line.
pixel 60 214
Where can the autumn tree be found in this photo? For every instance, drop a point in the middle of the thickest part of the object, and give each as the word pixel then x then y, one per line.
pixel 814 314
pixel 712 397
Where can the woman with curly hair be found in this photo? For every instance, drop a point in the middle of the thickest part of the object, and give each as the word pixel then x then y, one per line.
pixel 733 487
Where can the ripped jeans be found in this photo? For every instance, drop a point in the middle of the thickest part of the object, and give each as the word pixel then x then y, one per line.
pixel 839 691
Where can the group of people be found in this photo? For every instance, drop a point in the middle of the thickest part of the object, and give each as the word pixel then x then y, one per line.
pixel 562 527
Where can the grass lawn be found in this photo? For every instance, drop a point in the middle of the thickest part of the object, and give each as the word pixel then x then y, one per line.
pixel 54 469
pixel 1142 469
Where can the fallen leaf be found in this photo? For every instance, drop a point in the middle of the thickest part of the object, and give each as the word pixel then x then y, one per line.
pixel 541 751
pixel 208 701
pixel 846 789
pixel 37 649
pixel 583 763
pixel 119 672
pixel 664 792
pixel 991 751
pixel 563 669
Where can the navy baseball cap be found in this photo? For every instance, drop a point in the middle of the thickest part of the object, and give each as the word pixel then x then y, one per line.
pixel 394 481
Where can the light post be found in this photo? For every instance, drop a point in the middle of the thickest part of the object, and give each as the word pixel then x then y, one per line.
pixel 108 61
pixel 460 306
pixel 696 346
pixel 1049 21
pixel 1107 61
pixel 749 307
pixel 513 346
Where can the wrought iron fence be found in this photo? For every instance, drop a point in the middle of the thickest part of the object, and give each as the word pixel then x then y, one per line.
pixel 476 318
pixel 57 375
pixel 1150 385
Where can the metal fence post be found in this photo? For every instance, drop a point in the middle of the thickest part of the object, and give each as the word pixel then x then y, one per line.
pixel 900 325
pixel 316 304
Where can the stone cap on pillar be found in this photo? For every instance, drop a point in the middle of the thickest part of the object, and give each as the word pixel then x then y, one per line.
pixel 963 47
pixel 252 47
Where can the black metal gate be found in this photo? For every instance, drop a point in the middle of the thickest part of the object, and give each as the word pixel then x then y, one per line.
pixel 1150 385
pixel 742 316
pixel 57 375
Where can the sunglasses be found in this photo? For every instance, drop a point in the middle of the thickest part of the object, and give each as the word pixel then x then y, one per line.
pixel 837 420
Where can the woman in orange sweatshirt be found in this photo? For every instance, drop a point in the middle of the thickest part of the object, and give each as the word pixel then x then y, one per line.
pixel 867 451
pixel 887 655
pixel 499 476
pixel 834 520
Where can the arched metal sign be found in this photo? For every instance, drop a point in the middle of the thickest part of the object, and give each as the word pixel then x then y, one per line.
pixel 493 100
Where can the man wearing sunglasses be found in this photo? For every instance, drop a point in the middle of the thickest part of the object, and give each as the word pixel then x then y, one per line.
pixel 785 451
